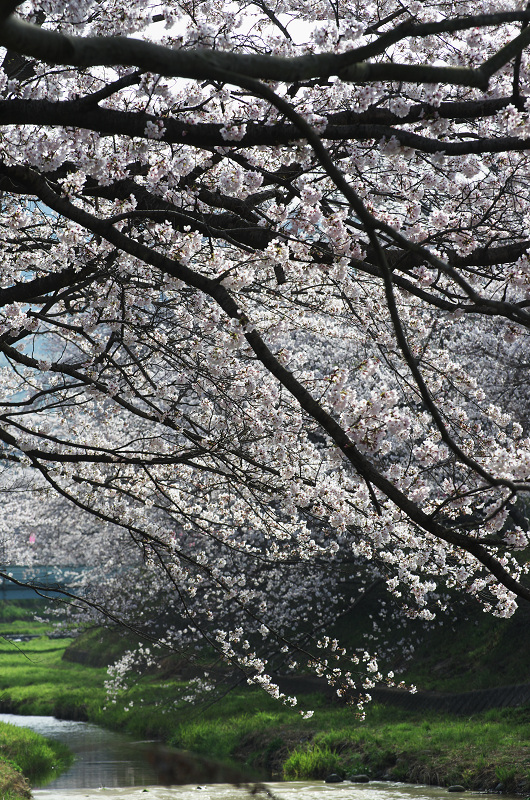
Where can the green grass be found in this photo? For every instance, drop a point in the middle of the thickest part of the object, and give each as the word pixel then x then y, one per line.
pixel 478 752
pixel 22 610
pixel 99 647
pixel 23 627
pixel 315 762
pixel 39 759
pixel 25 758
pixel 23 753
pixel 34 679
pixel 251 728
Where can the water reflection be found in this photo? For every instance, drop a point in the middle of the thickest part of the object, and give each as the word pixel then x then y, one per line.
pixel 102 758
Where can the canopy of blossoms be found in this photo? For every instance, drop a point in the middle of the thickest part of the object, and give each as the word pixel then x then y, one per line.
pixel 264 300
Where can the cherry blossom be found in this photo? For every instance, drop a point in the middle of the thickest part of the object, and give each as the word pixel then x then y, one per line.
pixel 264 314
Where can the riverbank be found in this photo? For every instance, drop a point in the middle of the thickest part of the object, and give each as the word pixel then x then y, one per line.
pixel 488 752
pixel 26 757
pixel 483 752
pixel 13 785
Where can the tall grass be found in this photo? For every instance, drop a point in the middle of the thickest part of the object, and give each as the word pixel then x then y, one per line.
pixel 476 752
pixel 37 758
pixel 314 762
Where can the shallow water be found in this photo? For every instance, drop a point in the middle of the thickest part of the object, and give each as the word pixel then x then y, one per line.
pixel 102 758
pixel 110 765
pixel 299 790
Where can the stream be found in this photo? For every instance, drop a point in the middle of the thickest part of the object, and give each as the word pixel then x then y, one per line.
pixel 102 758
pixel 111 765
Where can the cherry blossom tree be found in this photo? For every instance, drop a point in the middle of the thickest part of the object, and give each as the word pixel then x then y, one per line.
pixel 264 301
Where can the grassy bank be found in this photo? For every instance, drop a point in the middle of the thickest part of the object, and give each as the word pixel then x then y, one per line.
pixel 26 758
pixel 479 753
pixel 475 652
pixel 248 727
pixel 13 785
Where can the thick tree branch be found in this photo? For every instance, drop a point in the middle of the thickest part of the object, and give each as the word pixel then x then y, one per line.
pixel 56 48
pixel 342 126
